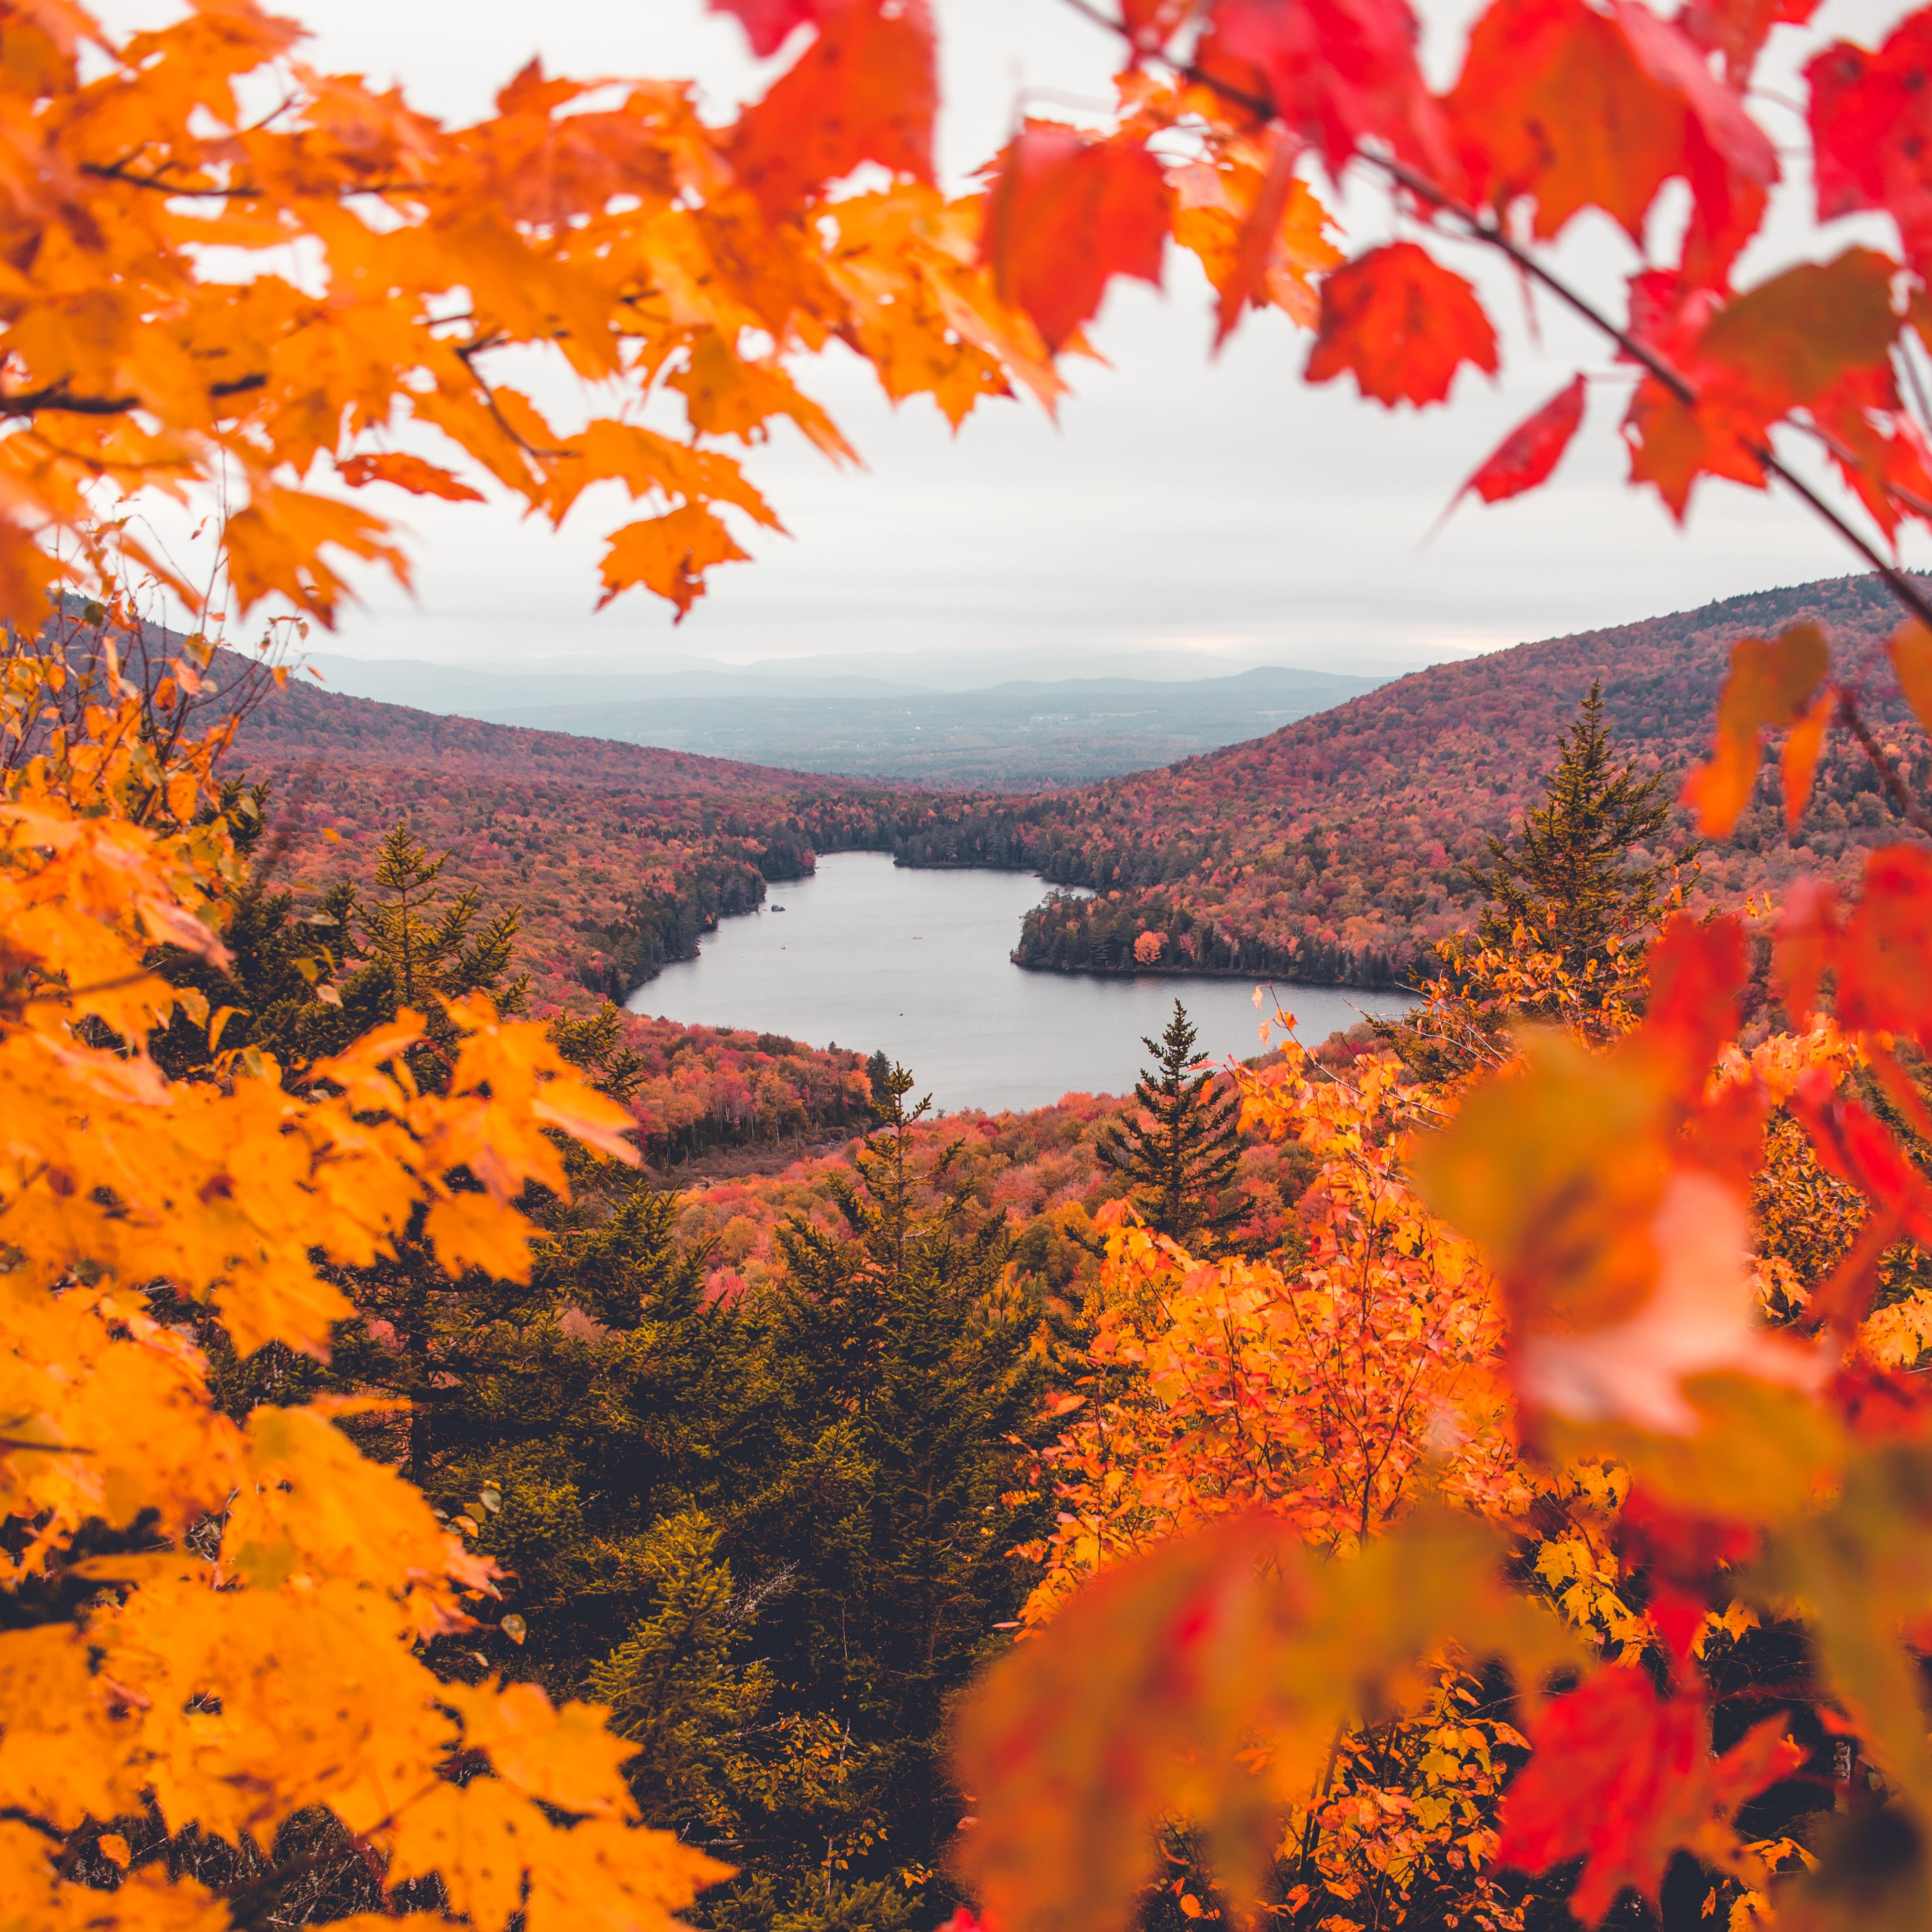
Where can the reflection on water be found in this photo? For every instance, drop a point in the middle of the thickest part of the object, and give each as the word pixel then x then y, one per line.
pixel 871 956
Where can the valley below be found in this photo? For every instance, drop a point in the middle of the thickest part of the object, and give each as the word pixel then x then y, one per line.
pixel 1332 851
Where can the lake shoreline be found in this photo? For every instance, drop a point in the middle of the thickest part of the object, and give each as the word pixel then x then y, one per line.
pixel 915 962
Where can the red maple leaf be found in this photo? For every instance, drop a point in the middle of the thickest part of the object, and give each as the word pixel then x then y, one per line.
pixel 1626 1779
pixel 1402 325
pixel 1738 29
pixel 1526 456
pixel 1786 344
pixel 1336 70
pixel 1879 450
pixel 767 22
pixel 1871 130
pixel 1575 108
pixel 864 90
pixel 1883 985
pixel 1065 214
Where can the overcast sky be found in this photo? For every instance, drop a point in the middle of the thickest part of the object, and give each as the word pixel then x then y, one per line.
pixel 1179 503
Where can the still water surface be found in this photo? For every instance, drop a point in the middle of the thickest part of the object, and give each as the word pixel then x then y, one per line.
pixel 872 955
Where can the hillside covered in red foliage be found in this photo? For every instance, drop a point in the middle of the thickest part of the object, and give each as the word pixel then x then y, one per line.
pixel 1336 849
pixel 620 857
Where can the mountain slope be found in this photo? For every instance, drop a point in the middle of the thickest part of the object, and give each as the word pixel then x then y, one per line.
pixel 1333 850
pixel 621 856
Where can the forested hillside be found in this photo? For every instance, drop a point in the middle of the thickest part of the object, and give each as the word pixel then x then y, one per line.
pixel 1333 850
pixel 619 855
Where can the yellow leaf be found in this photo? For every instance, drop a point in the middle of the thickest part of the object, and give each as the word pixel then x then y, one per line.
pixel 1772 683
pixel 1910 650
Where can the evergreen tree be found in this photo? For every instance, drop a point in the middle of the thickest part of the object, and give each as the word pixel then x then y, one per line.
pixel 1571 882
pixel 1180 1147
pixel 914 1380
pixel 775 1534
pixel 1568 888
pixel 445 954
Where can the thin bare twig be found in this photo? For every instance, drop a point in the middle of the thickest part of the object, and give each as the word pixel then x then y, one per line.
pixel 1914 814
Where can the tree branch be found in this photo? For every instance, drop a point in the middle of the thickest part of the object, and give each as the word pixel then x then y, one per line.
pixel 1679 386
pixel 1914 814
pixel 56 398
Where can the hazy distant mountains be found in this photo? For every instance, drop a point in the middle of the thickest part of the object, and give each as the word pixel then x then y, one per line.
pixel 1017 735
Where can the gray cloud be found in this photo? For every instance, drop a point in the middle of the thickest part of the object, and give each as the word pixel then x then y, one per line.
pixel 1220 506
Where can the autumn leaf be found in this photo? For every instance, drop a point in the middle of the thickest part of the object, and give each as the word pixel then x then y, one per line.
pixel 1553 106
pixel 1624 1780
pixel 669 554
pixel 768 24
pixel 1882 983
pixel 1255 250
pixel 1788 340
pixel 1702 1319
pixel 1621 1238
pixel 1525 458
pixel 864 90
pixel 1870 122
pixel 725 395
pixel 407 473
pixel 1772 683
pixel 1142 1698
pixel 1716 111
pixel 1737 29
pixel 1065 214
pixel 1260 234
pixel 1876 446
pixel 1338 71
pixel 1787 343
pixel 274 546
pixel 1910 651
pixel 1402 325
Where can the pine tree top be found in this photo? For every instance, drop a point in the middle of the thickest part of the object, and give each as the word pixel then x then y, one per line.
pixel 1179 1144
pixel 1571 880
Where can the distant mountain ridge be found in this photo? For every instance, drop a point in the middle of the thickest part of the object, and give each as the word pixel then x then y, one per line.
pixel 1021 734
pixel 1334 850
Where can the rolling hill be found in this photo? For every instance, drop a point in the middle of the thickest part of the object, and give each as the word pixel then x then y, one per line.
pixel 1330 849
pixel 1333 849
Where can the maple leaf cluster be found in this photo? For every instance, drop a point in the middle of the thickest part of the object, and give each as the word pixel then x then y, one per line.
pixel 1516 1418
pixel 254 1653
pixel 646 252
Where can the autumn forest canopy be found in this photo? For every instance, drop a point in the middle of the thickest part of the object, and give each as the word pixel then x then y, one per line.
pixel 1472 1472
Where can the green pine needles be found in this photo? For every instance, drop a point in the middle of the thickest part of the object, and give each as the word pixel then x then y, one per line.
pixel 1571 881
pixel 1180 1154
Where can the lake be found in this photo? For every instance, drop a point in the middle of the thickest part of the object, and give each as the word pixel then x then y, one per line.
pixel 872 955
